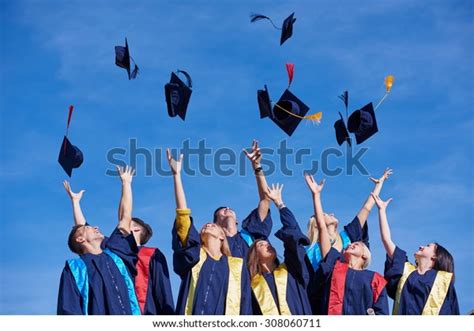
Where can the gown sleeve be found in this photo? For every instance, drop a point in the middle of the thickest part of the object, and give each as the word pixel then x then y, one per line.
pixel 381 305
pixel 327 265
pixel 257 228
pixel 69 298
pixel 357 233
pixel 125 247
pixel 186 244
pixel 162 288
pixel 393 270
pixel 294 242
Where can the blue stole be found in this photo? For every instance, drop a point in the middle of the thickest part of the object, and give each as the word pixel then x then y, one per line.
pixel 247 237
pixel 79 271
pixel 314 251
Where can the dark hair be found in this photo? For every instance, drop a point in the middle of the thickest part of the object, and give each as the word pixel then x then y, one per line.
pixel 215 213
pixel 444 261
pixel 147 234
pixel 74 246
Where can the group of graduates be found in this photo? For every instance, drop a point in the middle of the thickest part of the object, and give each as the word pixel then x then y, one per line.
pixel 225 271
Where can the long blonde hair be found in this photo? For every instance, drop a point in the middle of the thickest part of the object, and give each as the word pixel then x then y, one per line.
pixel 253 262
pixel 312 230
pixel 225 248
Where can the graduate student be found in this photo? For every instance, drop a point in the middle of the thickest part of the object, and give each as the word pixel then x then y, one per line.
pixel 100 280
pixel 212 281
pixel 348 287
pixel 424 288
pixel 258 224
pixel 280 289
pixel 152 282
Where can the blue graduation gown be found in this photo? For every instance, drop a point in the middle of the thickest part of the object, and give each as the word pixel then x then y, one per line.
pixel 211 288
pixel 315 291
pixel 159 298
pixel 108 294
pixel 294 242
pixel 255 228
pixel 358 290
pixel 417 287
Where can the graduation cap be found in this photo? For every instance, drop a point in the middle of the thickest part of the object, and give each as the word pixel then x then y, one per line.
pixel 363 123
pixel 286 28
pixel 340 125
pixel 341 132
pixel 70 156
pixel 288 112
pixel 122 59
pixel 177 94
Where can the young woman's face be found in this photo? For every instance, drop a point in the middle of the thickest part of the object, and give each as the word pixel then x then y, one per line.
pixel 427 251
pixel 213 230
pixel 355 249
pixel 265 250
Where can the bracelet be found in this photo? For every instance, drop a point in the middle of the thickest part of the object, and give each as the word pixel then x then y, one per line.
pixel 257 170
pixel 281 206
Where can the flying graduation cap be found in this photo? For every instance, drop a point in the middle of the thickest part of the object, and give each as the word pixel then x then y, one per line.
pixel 70 156
pixel 177 94
pixel 288 112
pixel 122 59
pixel 286 28
pixel 362 122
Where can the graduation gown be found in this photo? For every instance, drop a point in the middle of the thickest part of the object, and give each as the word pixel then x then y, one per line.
pixel 210 292
pixel 348 291
pixel 292 276
pixel 352 232
pixel 108 292
pixel 152 283
pixel 416 295
pixel 253 228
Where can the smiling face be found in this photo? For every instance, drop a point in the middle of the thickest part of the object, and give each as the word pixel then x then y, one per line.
pixel 225 215
pixel 359 251
pixel 87 234
pixel 212 230
pixel 265 251
pixel 428 251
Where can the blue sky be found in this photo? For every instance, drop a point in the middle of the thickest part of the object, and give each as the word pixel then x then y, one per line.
pixel 57 53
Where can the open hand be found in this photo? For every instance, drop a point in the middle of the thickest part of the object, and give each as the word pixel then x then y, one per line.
pixel 313 185
pixel 72 195
pixel 385 176
pixel 175 165
pixel 274 193
pixel 255 155
pixel 382 205
pixel 126 174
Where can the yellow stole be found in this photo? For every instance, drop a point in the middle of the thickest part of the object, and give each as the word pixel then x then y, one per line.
pixel 232 306
pixel 264 296
pixel 438 292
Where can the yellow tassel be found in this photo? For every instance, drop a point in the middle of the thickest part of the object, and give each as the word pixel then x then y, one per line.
pixel 388 81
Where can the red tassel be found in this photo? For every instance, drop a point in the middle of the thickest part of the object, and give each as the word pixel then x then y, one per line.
pixel 290 67
pixel 71 108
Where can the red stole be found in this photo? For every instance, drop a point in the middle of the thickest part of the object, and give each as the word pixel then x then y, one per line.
pixel 143 272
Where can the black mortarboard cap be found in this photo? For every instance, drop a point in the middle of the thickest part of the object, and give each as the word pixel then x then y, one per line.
pixel 69 156
pixel 287 28
pixel 177 94
pixel 122 59
pixel 264 102
pixel 362 123
pixel 342 134
pixel 282 118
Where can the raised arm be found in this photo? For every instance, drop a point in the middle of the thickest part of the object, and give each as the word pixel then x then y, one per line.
pixel 384 227
pixel 369 203
pixel 255 156
pixel 126 200
pixel 183 220
pixel 316 190
pixel 79 218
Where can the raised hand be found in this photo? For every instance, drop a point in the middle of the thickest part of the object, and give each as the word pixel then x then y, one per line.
pixel 274 193
pixel 72 195
pixel 255 156
pixel 126 174
pixel 382 205
pixel 314 187
pixel 387 173
pixel 175 165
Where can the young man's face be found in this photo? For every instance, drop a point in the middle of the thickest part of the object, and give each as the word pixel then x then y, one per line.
pixel 137 231
pixel 225 215
pixel 89 234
